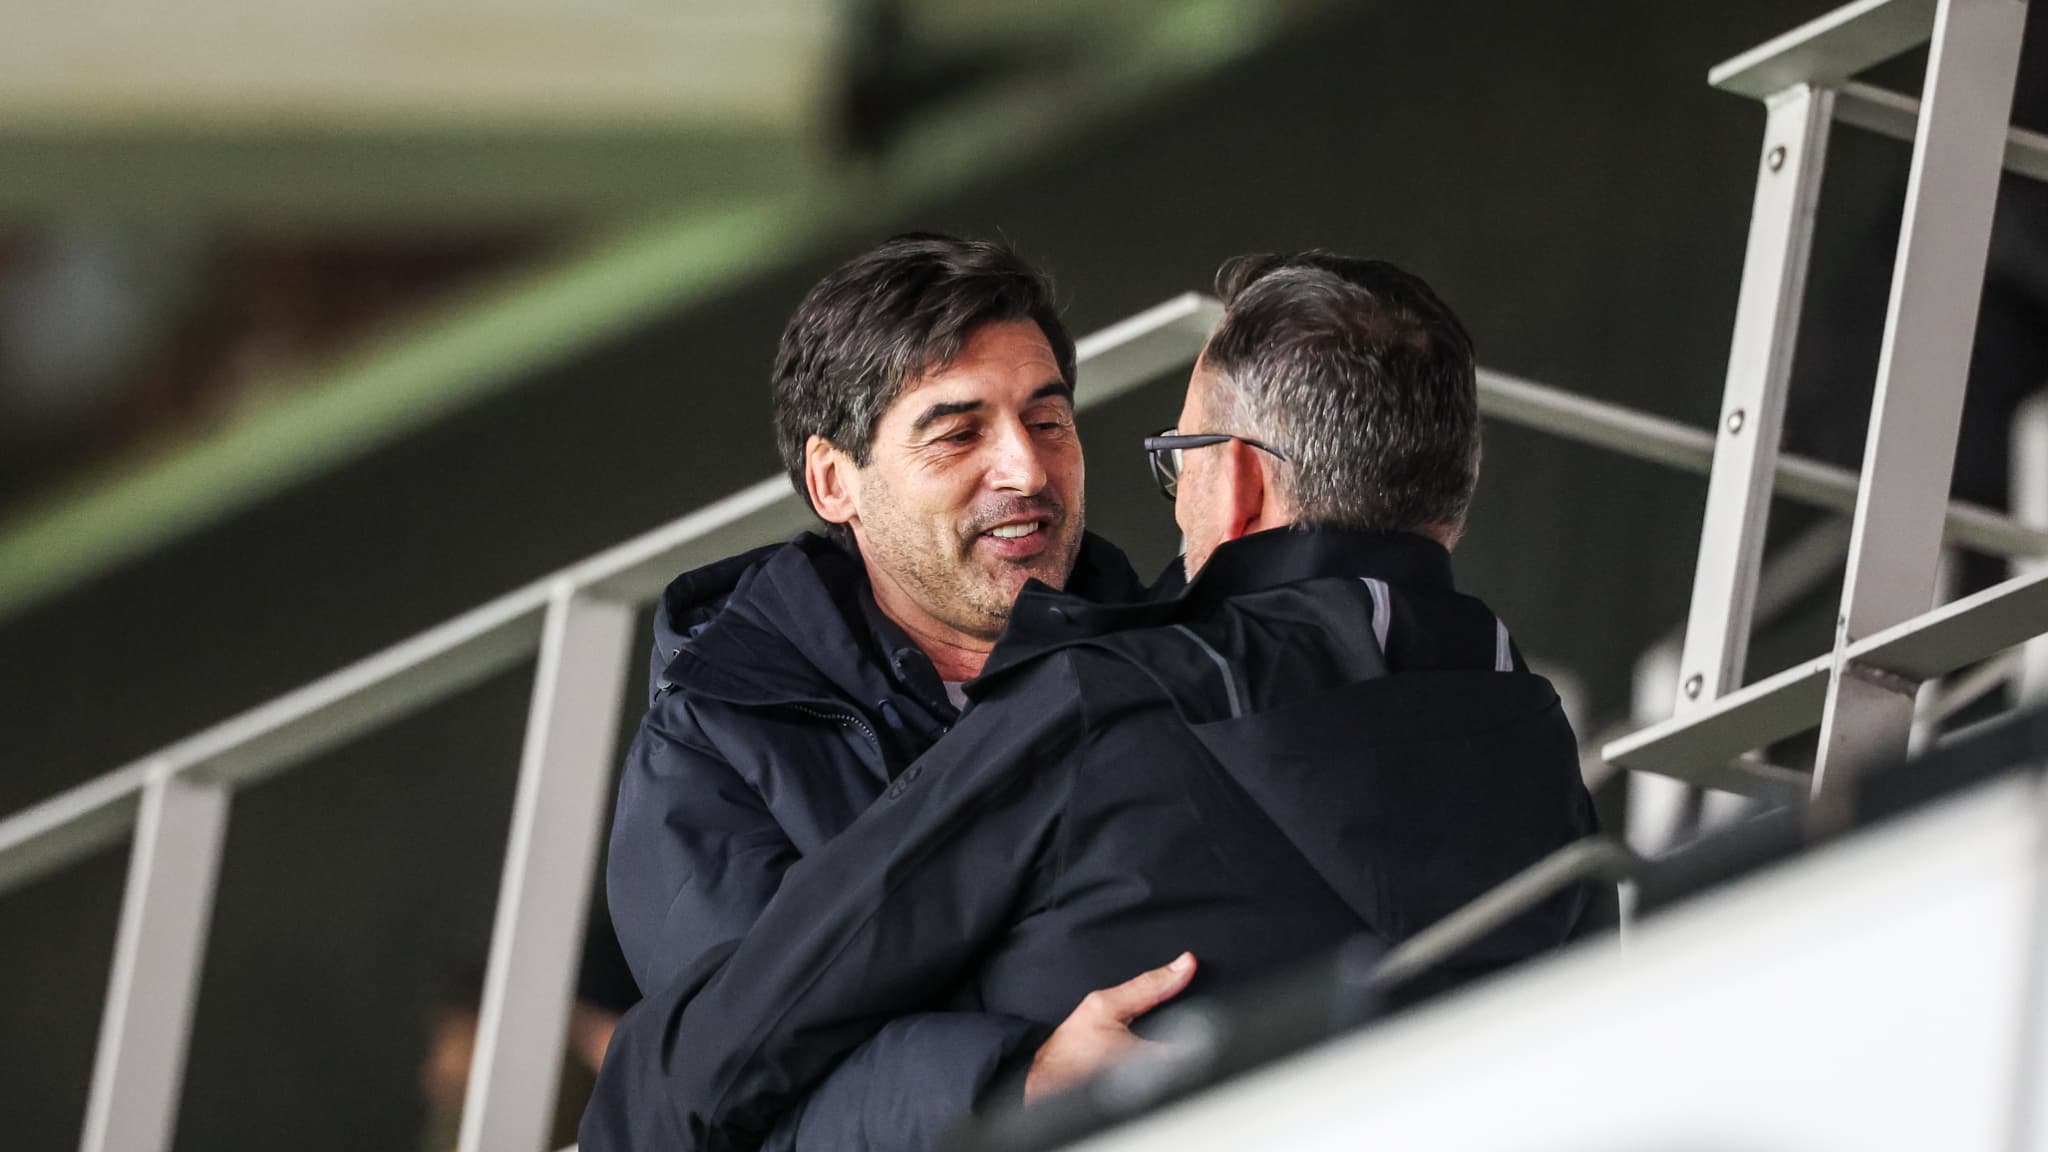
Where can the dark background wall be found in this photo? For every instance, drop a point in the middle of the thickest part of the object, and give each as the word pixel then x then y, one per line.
pixel 1559 170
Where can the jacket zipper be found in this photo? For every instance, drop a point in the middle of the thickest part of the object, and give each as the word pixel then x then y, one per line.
pixel 848 719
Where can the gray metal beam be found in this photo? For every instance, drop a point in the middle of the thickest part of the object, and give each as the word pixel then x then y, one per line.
pixel 1702 747
pixel 1923 365
pixel 1699 747
pixel 1658 440
pixel 1896 115
pixel 139 1070
pixel 2030 505
pixel 550 857
pixel 1829 49
pixel 1961 633
pixel 44 838
pixel 1739 488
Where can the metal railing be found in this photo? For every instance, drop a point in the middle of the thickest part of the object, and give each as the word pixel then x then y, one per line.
pixel 1864 694
pixel 578 623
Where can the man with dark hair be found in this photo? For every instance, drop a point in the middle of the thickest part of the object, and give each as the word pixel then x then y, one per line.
pixel 923 398
pixel 1320 739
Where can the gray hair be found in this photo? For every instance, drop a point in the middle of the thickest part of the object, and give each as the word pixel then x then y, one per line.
pixel 1361 375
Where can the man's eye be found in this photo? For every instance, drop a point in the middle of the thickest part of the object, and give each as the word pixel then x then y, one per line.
pixel 964 436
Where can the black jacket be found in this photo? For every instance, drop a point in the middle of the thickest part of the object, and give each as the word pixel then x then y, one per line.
pixel 783 703
pixel 1235 773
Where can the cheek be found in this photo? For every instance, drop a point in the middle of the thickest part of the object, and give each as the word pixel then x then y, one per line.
pixel 938 490
pixel 1071 468
pixel 1190 525
pixel 1188 507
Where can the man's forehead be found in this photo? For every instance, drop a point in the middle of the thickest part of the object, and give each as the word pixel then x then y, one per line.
pixel 1002 345
pixel 989 367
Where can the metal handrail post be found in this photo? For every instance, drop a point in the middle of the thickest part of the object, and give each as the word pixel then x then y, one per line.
pixel 146 1027
pixel 2030 506
pixel 565 773
pixel 1767 310
pixel 1924 363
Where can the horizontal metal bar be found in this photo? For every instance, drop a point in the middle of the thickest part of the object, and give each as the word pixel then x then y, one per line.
pixel 371 692
pixel 1961 633
pixel 1828 49
pixel 1646 437
pixel 639 569
pixel 1897 115
pixel 288 730
pixel 1690 747
pixel 445 659
pixel 1143 347
pixel 1700 746
pixel 1584 420
pixel 1968 526
pixel 40 840
pixel 1594 858
pixel 1979 682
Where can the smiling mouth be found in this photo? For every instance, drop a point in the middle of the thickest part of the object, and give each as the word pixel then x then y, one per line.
pixel 1016 531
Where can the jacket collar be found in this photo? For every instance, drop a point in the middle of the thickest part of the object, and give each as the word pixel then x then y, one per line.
pixel 1280 556
pixel 798 623
pixel 1045 619
pixel 787 628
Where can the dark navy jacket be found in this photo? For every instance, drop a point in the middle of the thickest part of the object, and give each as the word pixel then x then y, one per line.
pixel 783 704
pixel 1320 739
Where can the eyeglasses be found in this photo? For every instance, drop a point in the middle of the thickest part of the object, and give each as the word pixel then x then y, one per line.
pixel 1166 447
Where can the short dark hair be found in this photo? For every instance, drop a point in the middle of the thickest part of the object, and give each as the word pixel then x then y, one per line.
pixel 1361 375
pixel 891 314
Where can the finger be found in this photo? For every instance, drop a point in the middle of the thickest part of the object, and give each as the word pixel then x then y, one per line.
pixel 1147 990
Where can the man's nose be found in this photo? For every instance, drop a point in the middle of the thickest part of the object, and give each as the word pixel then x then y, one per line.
pixel 1017 465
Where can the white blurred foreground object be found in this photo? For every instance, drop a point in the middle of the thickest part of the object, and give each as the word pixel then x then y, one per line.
pixel 1883 993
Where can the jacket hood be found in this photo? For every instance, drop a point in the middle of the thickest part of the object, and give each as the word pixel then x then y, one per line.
pixel 1046 620
pixel 1450 778
pixel 780 624
pixel 1453 781
pixel 796 622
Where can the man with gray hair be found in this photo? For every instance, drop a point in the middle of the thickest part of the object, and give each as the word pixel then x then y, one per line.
pixel 1321 739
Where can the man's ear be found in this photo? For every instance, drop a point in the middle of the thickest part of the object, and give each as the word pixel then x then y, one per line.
pixel 1245 489
pixel 829 477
